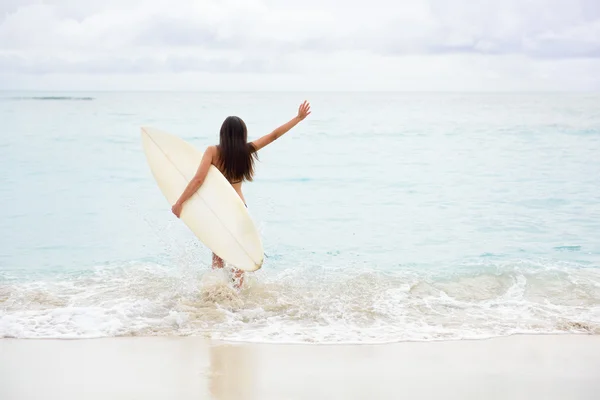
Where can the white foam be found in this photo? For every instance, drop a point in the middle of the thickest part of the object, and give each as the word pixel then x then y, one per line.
pixel 292 306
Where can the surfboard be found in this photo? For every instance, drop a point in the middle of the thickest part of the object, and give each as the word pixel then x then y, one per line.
pixel 215 213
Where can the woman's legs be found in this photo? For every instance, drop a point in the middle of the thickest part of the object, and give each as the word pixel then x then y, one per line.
pixel 238 274
pixel 217 262
pixel 238 277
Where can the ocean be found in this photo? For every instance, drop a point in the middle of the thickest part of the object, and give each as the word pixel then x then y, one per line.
pixel 385 217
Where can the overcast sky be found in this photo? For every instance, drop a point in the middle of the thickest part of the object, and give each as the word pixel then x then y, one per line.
pixel 459 45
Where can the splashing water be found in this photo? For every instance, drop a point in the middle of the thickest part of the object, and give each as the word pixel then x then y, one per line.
pixel 292 306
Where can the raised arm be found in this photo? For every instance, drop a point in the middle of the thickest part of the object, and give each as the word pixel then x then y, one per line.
pixel 303 112
pixel 196 181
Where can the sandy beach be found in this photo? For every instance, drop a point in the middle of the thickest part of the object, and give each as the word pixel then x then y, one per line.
pixel 516 367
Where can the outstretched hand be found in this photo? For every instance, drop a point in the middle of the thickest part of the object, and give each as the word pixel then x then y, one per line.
pixel 303 110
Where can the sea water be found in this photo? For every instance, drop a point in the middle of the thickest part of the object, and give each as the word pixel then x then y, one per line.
pixel 384 217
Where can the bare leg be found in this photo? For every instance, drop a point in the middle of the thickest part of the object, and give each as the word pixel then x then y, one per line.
pixel 238 274
pixel 217 262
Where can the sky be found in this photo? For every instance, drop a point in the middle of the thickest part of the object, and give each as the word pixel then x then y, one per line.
pixel 316 45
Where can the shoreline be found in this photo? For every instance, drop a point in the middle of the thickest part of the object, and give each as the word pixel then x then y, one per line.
pixel 332 344
pixel 154 367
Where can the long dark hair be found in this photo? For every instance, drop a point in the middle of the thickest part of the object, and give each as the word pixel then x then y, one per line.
pixel 236 154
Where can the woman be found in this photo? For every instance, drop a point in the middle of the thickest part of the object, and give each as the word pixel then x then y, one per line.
pixel 234 157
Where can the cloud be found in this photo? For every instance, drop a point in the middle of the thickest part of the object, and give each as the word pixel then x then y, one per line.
pixel 317 37
pixel 535 28
pixel 128 65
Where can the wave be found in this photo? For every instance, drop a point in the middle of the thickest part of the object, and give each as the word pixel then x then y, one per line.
pixel 55 98
pixel 568 248
pixel 300 306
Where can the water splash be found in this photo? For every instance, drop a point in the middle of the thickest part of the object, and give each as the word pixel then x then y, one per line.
pixel 291 305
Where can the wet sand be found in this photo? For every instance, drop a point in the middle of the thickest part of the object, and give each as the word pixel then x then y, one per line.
pixel 516 367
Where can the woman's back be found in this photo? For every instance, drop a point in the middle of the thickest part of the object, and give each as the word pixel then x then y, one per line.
pixel 236 183
pixel 234 156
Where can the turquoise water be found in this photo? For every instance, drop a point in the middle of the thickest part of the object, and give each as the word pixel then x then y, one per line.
pixel 384 217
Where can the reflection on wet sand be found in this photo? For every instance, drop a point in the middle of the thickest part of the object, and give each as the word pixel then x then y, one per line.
pixel 231 372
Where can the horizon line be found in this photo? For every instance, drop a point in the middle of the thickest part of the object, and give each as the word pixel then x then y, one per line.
pixel 304 91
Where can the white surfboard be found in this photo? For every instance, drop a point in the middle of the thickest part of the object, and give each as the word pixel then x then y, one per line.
pixel 215 213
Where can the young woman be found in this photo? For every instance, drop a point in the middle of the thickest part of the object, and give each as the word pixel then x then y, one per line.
pixel 234 157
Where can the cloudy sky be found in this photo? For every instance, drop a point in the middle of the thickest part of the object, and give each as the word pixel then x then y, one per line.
pixel 429 45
